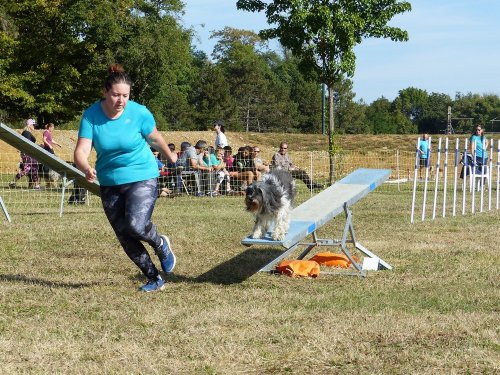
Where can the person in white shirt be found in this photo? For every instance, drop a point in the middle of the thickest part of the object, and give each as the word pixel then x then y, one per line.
pixel 220 138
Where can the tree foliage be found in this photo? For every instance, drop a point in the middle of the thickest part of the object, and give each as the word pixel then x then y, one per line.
pixel 323 34
pixel 262 98
pixel 54 56
pixel 62 49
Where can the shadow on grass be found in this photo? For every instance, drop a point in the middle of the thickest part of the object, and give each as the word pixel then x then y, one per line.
pixel 85 209
pixel 41 282
pixel 235 270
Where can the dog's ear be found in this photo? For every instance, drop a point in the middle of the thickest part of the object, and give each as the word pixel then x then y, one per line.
pixel 262 192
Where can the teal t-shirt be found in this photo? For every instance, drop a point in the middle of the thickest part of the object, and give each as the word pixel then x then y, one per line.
pixel 480 152
pixel 424 147
pixel 211 160
pixel 123 155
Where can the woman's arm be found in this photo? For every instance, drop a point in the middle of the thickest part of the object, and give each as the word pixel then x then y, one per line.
pixel 156 140
pixel 81 158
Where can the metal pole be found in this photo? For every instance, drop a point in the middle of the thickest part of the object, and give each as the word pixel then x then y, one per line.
pixel 426 182
pixel 498 173
pixel 466 173
pixel 436 180
pixel 455 177
pixel 5 212
pixel 448 127
pixel 445 175
pixel 417 159
pixel 490 174
pixel 323 100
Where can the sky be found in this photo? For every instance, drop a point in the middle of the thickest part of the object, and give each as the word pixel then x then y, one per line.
pixel 453 47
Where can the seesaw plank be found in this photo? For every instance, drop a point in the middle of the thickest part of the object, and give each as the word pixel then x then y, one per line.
pixel 16 140
pixel 324 206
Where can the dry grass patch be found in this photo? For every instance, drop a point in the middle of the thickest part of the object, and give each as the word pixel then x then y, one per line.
pixel 70 302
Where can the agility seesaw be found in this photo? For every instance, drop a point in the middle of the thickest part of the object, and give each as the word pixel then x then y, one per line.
pixel 4 209
pixel 66 170
pixel 311 215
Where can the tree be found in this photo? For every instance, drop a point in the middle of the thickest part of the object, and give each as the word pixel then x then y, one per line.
pixel 323 34
pixel 212 97
pixel 412 103
pixel 304 92
pixel 481 109
pixel 11 82
pixel 352 118
pixel 262 100
pixel 159 58
pixel 44 44
pixel 379 117
pixel 434 119
pixel 349 115
pixel 57 52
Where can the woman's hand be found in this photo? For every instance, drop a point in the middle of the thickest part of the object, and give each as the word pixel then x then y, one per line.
pixel 90 174
pixel 81 156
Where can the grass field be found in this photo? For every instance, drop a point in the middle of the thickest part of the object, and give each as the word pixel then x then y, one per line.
pixel 69 299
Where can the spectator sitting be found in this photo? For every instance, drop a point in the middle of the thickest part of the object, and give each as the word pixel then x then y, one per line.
pixel 229 161
pixel 191 159
pixel 171 169
pixel 221 172
pixel 228 157
pixel 162 190
pixel 182 164
pixel 243 164
pixel 182 160
pixel 258 162
pixel 281 160
pixel 209 159
pixel 159 163
pixel 169 165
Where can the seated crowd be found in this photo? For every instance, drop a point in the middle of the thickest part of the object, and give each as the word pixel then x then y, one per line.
pixel 203 170
pixel 200 170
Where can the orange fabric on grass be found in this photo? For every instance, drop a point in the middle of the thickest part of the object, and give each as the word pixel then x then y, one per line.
pixel 298 268
pixel 333 260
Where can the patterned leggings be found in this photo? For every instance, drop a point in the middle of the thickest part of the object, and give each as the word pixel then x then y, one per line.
pixel 30 168
pixel 128 208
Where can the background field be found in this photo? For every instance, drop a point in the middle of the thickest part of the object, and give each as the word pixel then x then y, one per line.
pixel 70 302
pixel 268 142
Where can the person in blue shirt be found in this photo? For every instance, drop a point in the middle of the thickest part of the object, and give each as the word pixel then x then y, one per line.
pixel 423 152
pixel 478 145
pixel 122 132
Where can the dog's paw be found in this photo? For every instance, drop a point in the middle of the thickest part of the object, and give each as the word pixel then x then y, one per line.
pixel 278 236
pixel 257 234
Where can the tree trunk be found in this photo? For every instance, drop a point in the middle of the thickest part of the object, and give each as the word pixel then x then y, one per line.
pixel 248 114
pixel 331 132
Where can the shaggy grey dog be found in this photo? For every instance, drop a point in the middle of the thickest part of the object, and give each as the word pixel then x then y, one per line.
pixel 270 200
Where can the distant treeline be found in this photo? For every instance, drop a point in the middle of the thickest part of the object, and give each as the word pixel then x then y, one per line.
pixel 54 60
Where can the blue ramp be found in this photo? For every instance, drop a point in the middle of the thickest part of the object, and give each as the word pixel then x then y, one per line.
pixel 16 140
pixel 323 207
